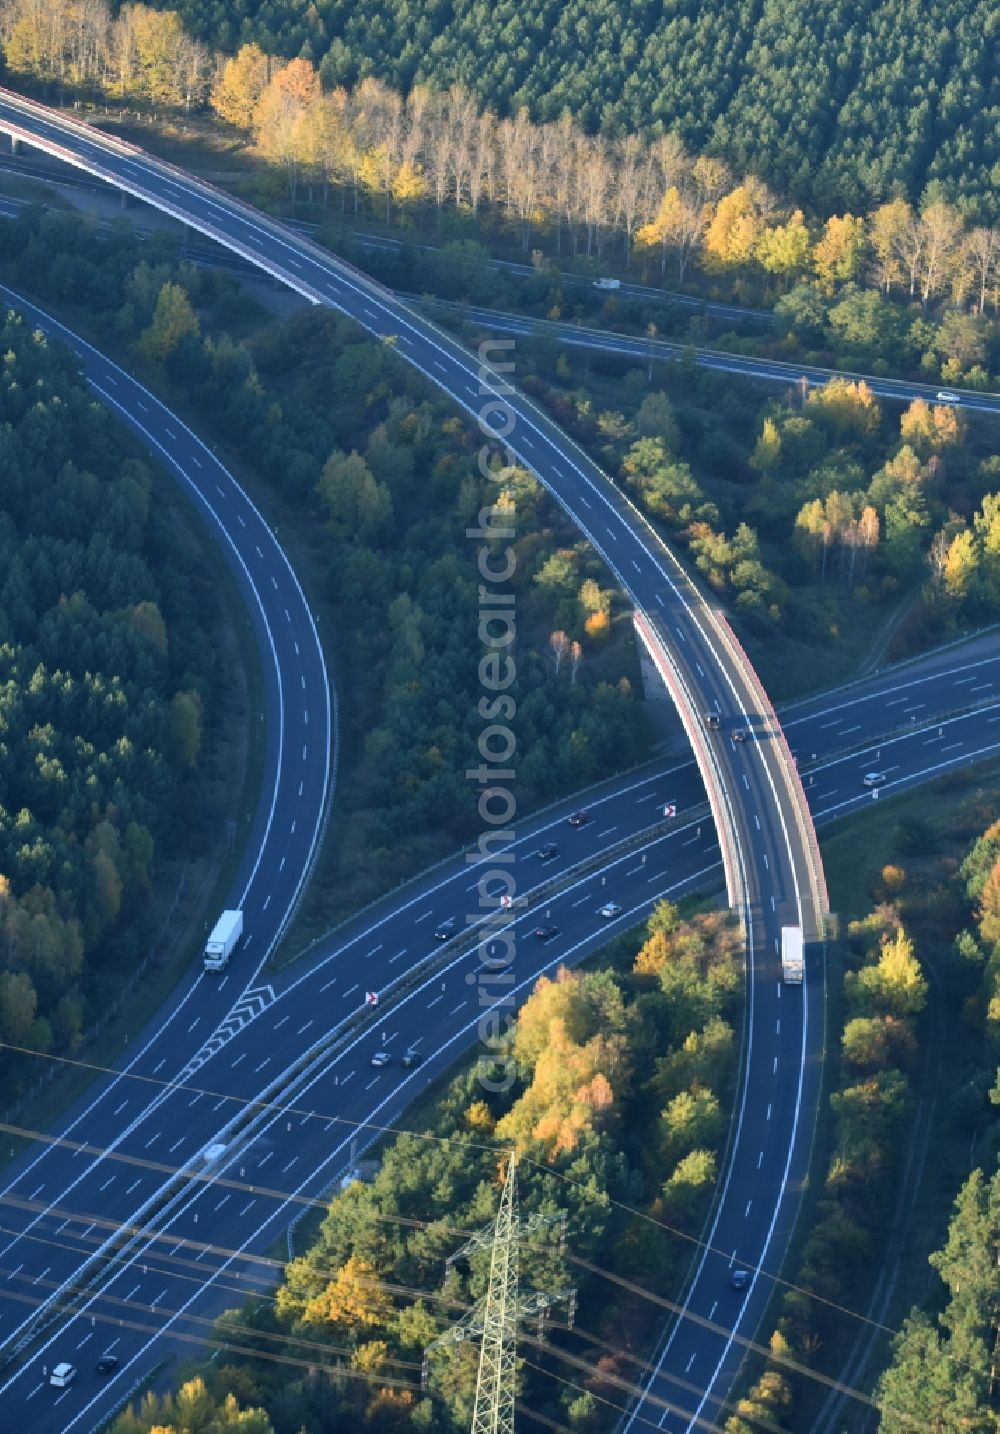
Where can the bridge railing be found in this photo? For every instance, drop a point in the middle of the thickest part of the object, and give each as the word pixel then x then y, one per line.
pixel 659 647
pixel 691 718
pixel 803 816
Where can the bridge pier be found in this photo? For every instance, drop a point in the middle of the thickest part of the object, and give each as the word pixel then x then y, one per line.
pixel 659 704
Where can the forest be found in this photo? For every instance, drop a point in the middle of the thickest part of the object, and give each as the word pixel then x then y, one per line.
pixel 618 1116
pixel 913 1131
pixel 809 514
pixel 943 1359
pixel 901 287
pixel 839 105
pixel 435 150
pixel 105 692
pixel 372 462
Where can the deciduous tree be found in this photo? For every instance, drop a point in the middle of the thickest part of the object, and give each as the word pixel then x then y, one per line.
pixel 240 85
pixel 839 252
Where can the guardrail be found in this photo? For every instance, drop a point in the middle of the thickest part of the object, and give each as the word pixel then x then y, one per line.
pixel 143 1381
pixel 894 734
pixel 243 1125
pixel 691 718
pixel 578 798
pixel 666 349
pixel 138 191
pixel 803 816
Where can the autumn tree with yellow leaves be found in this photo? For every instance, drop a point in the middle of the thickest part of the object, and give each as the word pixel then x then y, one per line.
pixel 734 230
pixel 572 1036
pixel 845 407
pixel 193 1409
pixel 283 118
pixel 354 1299
pixel 677 228
pixel 785 249
pixel 587 190
pixel 136 53
pixel 839 251
pixel 931 427
pixel 241 83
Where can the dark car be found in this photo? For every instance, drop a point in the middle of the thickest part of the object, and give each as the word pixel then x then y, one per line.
pixel 740 735
pixel 447 929
pixel 107 1364
pixel 411 1058
pixel 739 1279
pixel 546 933
pixel 548 852
pixel 578 819
pixel 712 721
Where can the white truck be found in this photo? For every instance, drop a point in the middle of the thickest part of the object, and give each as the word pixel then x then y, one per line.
pixel 607 283
pixel 222 942
pixel 792 963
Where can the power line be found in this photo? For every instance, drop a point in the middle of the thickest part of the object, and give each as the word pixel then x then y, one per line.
pixel 278 1337
pixel 379 1130
pixel 385 1131
pixel 626 1386
pixel 703 1245
pixel 177 1267
pixel 206 1178
pixel 115 1319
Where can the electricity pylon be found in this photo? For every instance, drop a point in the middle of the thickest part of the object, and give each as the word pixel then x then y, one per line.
pixel 494 1319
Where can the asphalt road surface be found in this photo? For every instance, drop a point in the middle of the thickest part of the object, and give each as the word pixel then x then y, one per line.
pixel 208 1246
pixel 41 168
pixel 281 842
pixel 767 861
pixel 662 350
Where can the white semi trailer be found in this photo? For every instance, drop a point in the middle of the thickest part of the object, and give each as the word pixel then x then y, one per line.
pixel 792 962
pixel 222 942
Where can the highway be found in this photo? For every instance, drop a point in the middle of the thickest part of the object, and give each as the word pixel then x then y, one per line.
pixel 160 1280
pixel 771 868
pixel 33 167
pixel 183 1275
pixel 203 1254
pixel 280 845
pixel 574 335
pixel 662 350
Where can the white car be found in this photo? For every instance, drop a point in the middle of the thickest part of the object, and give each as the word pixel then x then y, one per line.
pixel 945 395
pixel 63 1375
pixel 873 779
pixel 610 910
pixel 381 1058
